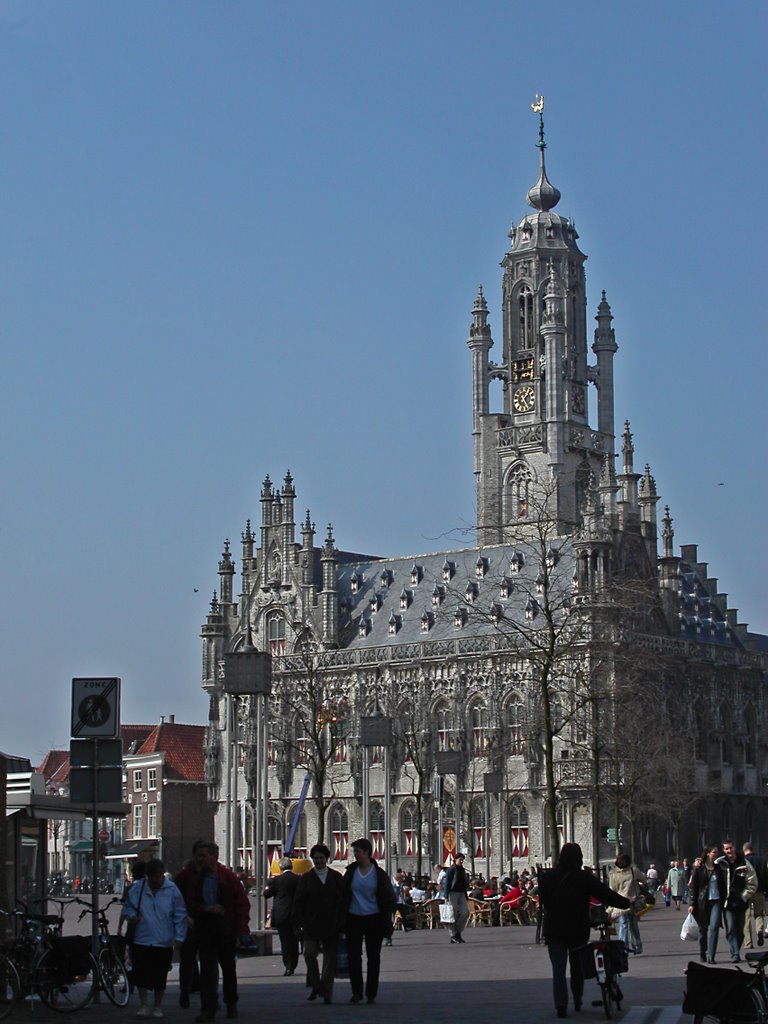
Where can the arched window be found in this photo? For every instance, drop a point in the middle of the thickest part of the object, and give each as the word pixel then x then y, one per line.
pixel 525 314
pixel 378 831
pixel 585 483
pixel 726 734
pixel 408 833
pixel 301 741
pixel 518 830
pixel 405 727
pixel 515 724
pixel 750 739
pixel 276 633
pixel 481 833
pixel 339 833
pixel 750 820
pixel 478 717
pixel 701 730
pixel 726 820
pixel 518 492
pixel 274 837
pixel 447 734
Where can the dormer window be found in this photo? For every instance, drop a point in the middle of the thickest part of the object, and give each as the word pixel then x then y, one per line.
pixel 516 562
pixel 406 596
pixel 449 569
pixel 343 606
pixel 460 617
pixel 506 588
pixel 374 604
pixel 481 567
pixel 566 608
pixel 386 577
pixel 471 592
pixel 575 580
pixel 553 557
pixel 531 609
pixel 427 621
pixel 497 612
pixel 438 595
pixel 354 582
pixel 540 583
pixel 364 628
pixel 395 622
pixel 417 572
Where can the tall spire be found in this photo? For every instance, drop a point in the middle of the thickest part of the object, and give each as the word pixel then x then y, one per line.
pixel 543 195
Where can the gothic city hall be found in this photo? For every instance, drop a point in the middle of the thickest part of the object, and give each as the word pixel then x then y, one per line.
pixel 571 676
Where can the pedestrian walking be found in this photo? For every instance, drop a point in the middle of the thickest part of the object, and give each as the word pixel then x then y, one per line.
pixel 220 912
pixel 156 908
pixel 676 883
pixel 757 905
pixel 368 903
pixel 456 889
pixel 706 897
pixel 628 880
pixel 565 892
pixel 738 886
pixel 317 910
pixel 281 890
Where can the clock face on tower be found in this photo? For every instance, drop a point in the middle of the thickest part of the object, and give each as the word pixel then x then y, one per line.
pixel 524 398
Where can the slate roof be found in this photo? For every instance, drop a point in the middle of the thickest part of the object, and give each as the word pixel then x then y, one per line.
pixel 386 592
pixel 701 617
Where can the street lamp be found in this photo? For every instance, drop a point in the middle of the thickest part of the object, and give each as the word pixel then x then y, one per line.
pixel 376 731
pixel 248 673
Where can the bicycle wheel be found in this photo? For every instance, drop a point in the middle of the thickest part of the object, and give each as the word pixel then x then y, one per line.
pixel 65 995
pixel 9 986
pixel 605 988
pixel 114 977
pixel 616 994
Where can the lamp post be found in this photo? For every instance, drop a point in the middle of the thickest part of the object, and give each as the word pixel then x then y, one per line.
pixel 248 672
pixel 447 762
pixel 376 731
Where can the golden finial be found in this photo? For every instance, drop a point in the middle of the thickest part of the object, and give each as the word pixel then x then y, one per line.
pixel 538 105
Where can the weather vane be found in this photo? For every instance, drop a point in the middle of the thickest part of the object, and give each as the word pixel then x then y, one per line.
pixel 538 108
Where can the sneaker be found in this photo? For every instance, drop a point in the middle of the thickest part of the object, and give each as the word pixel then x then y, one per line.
pixel 157 1013
pixel 143 1012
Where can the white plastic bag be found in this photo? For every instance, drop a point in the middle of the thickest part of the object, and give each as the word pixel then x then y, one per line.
pixel 446 913
pixel 690 929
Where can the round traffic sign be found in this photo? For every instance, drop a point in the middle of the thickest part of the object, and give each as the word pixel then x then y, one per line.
pixel 103 836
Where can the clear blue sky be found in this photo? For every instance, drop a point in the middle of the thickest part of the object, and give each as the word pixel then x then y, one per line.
pixel 242 237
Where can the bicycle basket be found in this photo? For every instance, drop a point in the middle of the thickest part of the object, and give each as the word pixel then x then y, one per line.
pixel 718 992
pixel 71 957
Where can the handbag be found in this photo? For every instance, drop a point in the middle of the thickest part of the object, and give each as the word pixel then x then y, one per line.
pixel 130 928
pixel 446 913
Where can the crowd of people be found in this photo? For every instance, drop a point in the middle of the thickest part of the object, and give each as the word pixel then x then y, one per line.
pixel 337 918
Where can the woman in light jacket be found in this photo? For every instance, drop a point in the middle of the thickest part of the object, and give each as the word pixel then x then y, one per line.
pixel 158 909
pixel 626 880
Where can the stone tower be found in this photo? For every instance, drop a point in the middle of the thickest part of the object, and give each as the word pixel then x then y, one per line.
pixel 539 457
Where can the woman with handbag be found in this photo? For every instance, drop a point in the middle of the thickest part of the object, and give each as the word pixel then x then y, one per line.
pixel 628 881
pixel 157 909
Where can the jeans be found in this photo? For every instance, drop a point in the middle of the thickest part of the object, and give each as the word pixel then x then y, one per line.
pixel 628 932
pixel 734 926
pixel 709 926
pixel 559 954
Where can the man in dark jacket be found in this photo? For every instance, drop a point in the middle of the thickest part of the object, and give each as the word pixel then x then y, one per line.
pixel 220 911
pixel 758 900
pixel 740 886
pixel 282 889
pixel 565 892
pixel 456 889
pixel 317 909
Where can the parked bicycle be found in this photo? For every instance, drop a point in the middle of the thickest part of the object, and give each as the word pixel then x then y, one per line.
pixel 112 973
pixel 726 995
pixel 41 962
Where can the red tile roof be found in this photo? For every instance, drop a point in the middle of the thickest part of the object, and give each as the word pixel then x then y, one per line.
pixel 181 744
pixel 183 749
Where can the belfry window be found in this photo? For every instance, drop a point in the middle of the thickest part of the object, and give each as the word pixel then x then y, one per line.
pixel 525 306
pixel 518 493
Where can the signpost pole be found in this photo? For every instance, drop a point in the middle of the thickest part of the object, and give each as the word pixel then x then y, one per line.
pixel 95 864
